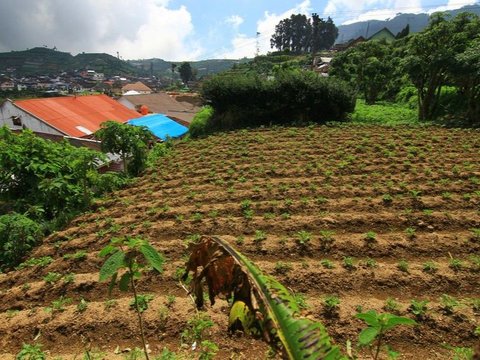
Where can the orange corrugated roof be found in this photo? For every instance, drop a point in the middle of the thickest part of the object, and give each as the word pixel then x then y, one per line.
pixel 71 115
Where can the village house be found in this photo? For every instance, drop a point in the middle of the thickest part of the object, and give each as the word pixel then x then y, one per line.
pixel 74 116
pixel 138 86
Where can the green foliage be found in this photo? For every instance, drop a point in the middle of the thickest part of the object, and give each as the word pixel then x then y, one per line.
pixel 300 338
pixel 331 303
pixel 449 303
pixel 31 352
pixel 384 113
pixel 196 328
pixel 208 350
pixel 141 302
pixel 370 68
pixel 200 125
pixel 299 34
pixel 52 277
pixel 127 253
pixel 292 96
pixel 303 237
pixel 378 325
pixel 185 71
pixel 418 308
pixel 54 177
pixel 131 142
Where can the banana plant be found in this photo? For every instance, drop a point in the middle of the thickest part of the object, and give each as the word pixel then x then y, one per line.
pixel 228 271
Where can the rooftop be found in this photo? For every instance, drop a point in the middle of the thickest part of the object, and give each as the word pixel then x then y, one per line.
pixel 77 116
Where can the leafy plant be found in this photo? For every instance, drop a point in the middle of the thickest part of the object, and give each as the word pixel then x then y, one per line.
pixel 349 263
pixel 378 325
pixel 331 303
pixel 125 253
pixel 303 238
pixel 243 280
pixel 448 303
pixel 208 350
pixel 411 233
pixel 327 264
pixel 79 255
pixel 403 266
pixel 430 267
pixel 18 235
pixel 82 305
pixel 52 277
pixel 59 304
pixel 141 302
pixel 326 239
pixel 370 237
pixel 455 264
pixel 391 305
pixel 42 262
pixel 196 327
pixel 31 352
pixel 418 308
pixel 282 267
pixel 259 236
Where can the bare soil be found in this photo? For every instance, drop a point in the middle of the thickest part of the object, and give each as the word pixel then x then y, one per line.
pixel 346 180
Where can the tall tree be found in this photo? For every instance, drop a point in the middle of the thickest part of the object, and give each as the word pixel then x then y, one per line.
pixel 186 72
pixel 431 54
pixel 299 34
pixel 368 67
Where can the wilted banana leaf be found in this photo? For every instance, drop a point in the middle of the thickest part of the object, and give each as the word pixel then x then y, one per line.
pixel 274 306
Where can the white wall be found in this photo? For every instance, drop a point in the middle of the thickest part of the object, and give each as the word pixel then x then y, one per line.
pixel 8 110
pixel 126 103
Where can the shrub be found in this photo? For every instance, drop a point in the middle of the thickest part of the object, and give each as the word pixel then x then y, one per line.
pixel 291 97
pixel 201 122
pixel 18 234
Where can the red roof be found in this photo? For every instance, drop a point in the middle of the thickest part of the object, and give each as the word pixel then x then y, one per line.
pixel 77 116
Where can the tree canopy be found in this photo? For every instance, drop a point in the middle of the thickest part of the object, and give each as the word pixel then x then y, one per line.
pixel 127 141
pixel 299 34
pixel 186 72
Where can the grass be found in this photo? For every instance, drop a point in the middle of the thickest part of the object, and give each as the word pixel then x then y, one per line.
pixel 384 113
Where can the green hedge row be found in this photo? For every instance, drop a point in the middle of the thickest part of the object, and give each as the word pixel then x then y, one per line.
pixel 290 97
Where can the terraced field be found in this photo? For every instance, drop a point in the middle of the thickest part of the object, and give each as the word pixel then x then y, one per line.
pixel 376 217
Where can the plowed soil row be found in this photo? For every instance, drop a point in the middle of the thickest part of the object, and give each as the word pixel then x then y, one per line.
pixel 417 190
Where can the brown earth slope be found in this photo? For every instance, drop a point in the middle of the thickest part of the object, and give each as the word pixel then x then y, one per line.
pixel 415 190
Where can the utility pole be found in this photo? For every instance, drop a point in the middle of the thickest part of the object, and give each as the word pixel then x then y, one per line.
pixel 257 46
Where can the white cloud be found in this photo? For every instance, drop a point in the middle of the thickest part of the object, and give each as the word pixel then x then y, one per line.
pixel 235 21
pixel 243 45
pixel 363 10
pixel 451 5
pixel 136 29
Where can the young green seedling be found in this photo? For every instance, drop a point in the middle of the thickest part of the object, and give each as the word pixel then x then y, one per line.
pixel 126 254
pixel 378 325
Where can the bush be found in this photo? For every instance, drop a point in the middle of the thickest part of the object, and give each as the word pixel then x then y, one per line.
pixel 18 234
pixel 201 122
pixel 291 97
pixel 108 182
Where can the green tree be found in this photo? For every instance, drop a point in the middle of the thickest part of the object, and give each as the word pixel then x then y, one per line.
pixel 293 34
pixel 368 67
pixel 186 72
pixel 299 34
pixel 18 235
pixel 432 53
pixel 466 75
pixel 324 33
pixel 130 142
pixel 38 172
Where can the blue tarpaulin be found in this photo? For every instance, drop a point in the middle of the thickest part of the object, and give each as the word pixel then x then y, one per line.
pixel 160 125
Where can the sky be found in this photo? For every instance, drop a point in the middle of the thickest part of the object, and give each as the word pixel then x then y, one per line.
pixel 178 30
